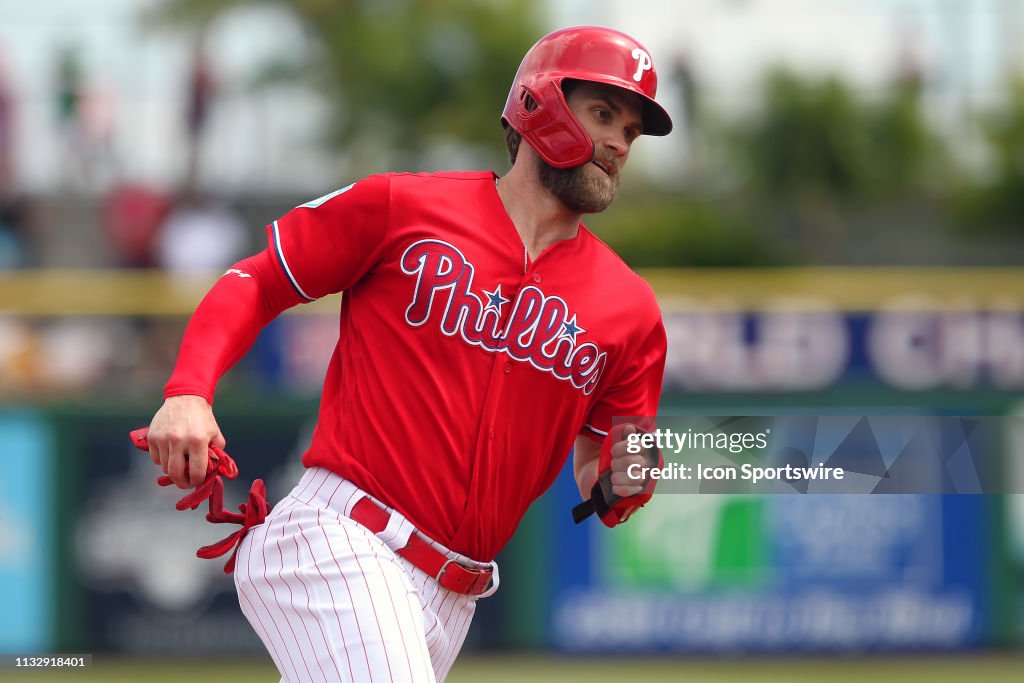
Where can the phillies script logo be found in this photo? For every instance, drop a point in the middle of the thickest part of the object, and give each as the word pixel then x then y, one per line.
pixel 539 330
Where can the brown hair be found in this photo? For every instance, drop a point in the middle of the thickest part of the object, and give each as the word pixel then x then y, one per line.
pixel 512 140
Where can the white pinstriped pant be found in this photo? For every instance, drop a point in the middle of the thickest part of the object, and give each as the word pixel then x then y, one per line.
pixel 333 602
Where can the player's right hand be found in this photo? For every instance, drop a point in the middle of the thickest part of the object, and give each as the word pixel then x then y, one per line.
pixel 180 436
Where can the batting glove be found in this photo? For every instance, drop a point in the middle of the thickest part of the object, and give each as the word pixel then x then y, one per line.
pixel 251 513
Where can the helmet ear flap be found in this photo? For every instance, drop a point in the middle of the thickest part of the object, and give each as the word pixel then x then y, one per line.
pixel 526 101
pixel 535 106
pixel 551 128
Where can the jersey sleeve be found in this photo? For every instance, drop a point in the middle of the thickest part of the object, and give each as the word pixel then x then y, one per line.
pixel 326 245
pixel 226 323
pixel 636 390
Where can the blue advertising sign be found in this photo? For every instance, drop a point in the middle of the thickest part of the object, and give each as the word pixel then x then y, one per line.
pixel 26 534
pixel 718 573
pixel 812 350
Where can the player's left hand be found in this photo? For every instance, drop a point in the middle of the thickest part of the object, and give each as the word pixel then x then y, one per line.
pixel 623 485
pixel 616 495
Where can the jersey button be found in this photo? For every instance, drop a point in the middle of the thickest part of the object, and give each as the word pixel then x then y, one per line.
pixel 536 278
pixel 508 367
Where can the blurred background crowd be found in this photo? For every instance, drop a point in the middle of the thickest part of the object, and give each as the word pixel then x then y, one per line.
pixel 850 154
pixel 144 134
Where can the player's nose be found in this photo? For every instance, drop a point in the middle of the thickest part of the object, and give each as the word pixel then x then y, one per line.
pixel 617 146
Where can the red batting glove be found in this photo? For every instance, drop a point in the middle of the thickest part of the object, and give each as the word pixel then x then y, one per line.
pixel 220 464
pixel 252 513
pixel 611 509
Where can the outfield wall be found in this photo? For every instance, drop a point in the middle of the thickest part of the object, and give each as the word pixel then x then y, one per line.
pixel 94 558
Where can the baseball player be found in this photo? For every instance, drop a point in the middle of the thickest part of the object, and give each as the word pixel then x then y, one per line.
pixel 484 332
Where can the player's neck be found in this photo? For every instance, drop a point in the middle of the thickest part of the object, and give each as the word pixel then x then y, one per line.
pixel 539 217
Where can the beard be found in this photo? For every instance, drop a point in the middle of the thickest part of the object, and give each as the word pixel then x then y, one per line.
pixel 581 189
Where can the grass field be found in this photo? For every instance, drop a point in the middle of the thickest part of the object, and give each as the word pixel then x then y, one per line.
pixel 506 669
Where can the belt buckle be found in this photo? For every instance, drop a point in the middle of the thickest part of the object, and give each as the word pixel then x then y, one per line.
pixel 443 569
pixel 474 587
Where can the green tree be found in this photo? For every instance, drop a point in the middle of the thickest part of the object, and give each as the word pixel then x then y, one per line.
pixel 655 229
pixel 907 155
pixel 815 150
pixel 995 204
pixel 809 139
pixel 816 137
pixel 399 75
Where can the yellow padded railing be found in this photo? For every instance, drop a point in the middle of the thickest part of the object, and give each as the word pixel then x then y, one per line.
pixel 54 293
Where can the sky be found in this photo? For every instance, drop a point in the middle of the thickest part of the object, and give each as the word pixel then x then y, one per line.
pixel 729 43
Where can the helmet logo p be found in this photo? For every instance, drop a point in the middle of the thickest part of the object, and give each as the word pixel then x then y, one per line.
pixel 643 63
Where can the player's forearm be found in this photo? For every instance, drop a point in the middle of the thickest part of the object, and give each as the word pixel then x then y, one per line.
pixel 226 323
pixel 586 455
pixel 217 336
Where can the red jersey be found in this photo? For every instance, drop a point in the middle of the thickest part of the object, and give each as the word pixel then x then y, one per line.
pixel 464 370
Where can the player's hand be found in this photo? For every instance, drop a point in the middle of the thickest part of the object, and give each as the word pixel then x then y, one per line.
pixel 624 485
pixel 180 436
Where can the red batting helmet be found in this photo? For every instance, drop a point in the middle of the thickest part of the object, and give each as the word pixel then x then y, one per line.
pixel 585 53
